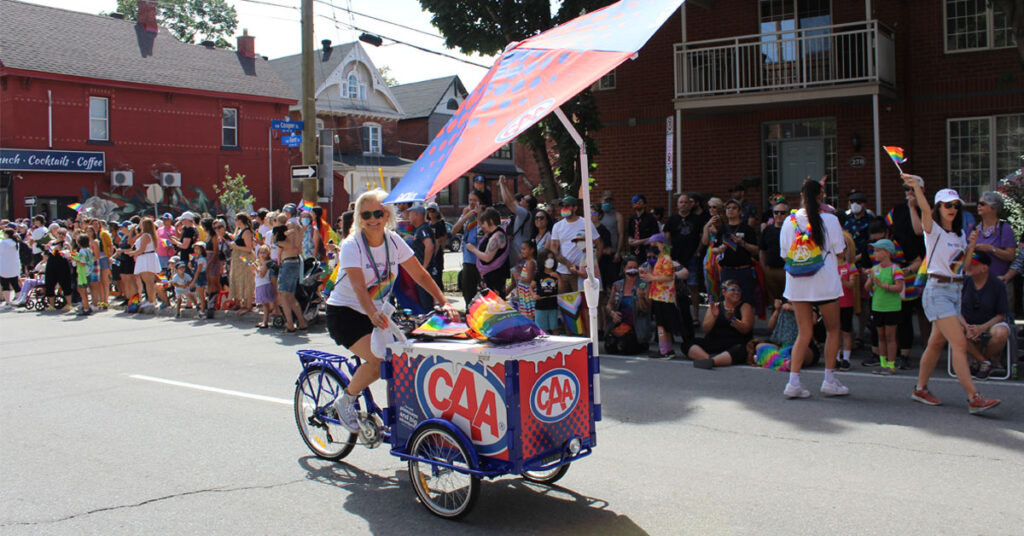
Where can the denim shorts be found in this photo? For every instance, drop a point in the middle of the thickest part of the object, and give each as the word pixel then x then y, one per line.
pixel 288 275
pixel 941 300
pixel 695 267
pixel 547 319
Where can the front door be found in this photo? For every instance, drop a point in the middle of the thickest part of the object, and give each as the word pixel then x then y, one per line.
pixel 800 160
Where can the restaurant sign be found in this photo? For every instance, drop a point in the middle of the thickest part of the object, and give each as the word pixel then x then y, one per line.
pixel 61 161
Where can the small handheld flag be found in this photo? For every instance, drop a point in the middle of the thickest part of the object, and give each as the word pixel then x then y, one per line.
pixel 77 207
pixel 308 205
pixel 896 153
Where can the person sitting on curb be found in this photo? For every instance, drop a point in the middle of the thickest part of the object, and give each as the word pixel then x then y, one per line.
pixel 727 326
pixel 983 313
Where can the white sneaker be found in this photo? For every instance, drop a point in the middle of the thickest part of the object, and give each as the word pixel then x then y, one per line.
pixel 834 388
pixel 345 407
pixel 795 391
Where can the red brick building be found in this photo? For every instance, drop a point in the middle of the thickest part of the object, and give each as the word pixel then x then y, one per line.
pixel 100 106
pixel 770 92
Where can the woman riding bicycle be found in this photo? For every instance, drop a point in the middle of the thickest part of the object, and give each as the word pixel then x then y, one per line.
pixel 369 258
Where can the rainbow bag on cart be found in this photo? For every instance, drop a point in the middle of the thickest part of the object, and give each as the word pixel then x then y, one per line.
pixel 493 319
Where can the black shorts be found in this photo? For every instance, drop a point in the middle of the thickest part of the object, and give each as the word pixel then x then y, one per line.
pixel 887 318
pixel 846 319
pixel 10 283
pixel 346 325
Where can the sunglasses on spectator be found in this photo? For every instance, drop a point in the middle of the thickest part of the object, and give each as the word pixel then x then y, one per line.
pixel 982 204
pixel 716 207
pixel 733 289
pixel 950 204
pixel 779 212
pixel 907 189
pixel 366 214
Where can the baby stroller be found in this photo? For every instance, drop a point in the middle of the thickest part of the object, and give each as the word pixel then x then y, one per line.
pixel 36 300
pixel 307 294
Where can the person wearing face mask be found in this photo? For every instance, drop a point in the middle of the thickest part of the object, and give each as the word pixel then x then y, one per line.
pixel 642 225
pixel 622 311
pixel 566 252
pixel 616 225
pixel 545 288
pixel 661 279
pixel 857 220
pixel 469 277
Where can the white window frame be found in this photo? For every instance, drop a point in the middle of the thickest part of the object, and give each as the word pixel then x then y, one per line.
pixel 105 120
pixel 994 174
pixel 607 81
pixel 989 32
pixel 224 128
pixel 352 85
pixel 370 142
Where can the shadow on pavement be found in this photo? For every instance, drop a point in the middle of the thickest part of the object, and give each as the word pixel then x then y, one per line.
pixel 507 505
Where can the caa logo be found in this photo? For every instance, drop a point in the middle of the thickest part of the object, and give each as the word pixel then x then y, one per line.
pixel 523 122
pixel 471 396
pixel 555 395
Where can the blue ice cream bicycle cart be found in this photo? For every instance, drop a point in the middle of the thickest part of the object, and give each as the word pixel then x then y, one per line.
pixel 459 411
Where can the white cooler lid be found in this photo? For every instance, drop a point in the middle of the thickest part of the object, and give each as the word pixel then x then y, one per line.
pixel 536 350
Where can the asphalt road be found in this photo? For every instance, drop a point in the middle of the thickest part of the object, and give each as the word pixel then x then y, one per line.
pixel 142 425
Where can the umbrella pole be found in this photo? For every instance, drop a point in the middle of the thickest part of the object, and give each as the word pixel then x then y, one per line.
pixel 591 288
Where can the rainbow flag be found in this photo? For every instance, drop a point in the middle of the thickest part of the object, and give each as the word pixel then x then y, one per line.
pixel 249 262
pixel 438 326
pixel 308 205
pixel 730 242
pixel 259 237
pixel 491 318
pixel 888 218
pixel 772 357
pixel 912 289
pixel 712 275
pixel 77 207
pixel 161 277
pixel 166 242
pixel 896 153
pixel 569 309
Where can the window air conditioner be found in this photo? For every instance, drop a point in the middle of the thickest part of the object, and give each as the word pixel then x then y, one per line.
pixel 170 180
pixel 121 178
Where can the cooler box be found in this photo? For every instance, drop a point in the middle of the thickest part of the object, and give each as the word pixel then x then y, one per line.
pixel 519 404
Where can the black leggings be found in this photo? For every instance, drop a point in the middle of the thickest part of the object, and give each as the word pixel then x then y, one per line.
pixel 56 277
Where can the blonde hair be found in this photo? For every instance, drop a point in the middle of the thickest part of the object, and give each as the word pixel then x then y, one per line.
pixel 379 196
pixel 148 227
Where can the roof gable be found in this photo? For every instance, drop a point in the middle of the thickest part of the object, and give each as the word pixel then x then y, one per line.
pixel 50 40
pixel 420 99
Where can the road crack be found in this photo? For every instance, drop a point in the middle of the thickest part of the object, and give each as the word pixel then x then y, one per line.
pixel 146 502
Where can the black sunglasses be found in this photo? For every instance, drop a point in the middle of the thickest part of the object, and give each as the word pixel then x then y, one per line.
pixel 779 212
pixel 907 189
pixel 982 204
pixel 366 214
pixel 950 204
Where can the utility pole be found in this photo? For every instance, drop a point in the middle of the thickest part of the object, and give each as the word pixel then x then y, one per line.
pixel 309 148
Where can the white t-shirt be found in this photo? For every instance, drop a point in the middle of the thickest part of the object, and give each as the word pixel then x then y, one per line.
pixel 37 233
pixel 564 231
pixel 10 262
pixel 353 254
pixel 945 251
pixel 825 284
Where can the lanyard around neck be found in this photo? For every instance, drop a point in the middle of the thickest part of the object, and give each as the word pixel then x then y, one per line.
pixel 373 263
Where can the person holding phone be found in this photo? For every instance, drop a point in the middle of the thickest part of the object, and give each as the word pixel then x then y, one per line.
pixel 736 242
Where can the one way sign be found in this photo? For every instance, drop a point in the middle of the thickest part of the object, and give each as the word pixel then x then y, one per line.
pixel 304 172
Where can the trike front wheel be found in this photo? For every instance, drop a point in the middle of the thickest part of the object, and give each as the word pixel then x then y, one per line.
pixel 549 476
pixel 445 491
pixel 315 392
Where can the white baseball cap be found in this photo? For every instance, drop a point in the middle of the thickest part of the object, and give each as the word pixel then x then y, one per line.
pixel 947 194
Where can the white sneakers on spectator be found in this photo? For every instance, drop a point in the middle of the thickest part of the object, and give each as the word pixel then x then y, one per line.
pixel 834 388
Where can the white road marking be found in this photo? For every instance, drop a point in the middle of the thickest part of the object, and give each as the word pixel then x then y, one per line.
pixel 209 389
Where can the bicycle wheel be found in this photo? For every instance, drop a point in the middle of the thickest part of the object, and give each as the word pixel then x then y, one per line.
pixel 315 392
pixel 546 477
pixel 444 491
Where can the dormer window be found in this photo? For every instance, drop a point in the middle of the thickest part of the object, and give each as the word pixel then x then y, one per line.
pixel 452 104
pixel 351 88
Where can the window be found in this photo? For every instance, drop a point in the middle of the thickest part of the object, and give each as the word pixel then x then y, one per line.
pixel 229 127
pixel 452 104
pixel 504 152
pixel 780 19
pixel 607 81
pixel 353 87
pixel 99 119
pixel 371 138
pixel 974 25
pixel 983 150
pixel 444 197
pixel 796 150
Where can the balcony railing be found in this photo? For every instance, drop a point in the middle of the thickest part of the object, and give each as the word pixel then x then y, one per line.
pixel 807 58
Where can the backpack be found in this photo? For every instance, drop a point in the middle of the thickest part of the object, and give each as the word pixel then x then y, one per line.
pixel 804 257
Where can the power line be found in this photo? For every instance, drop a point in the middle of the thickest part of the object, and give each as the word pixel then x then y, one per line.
pixel 354 12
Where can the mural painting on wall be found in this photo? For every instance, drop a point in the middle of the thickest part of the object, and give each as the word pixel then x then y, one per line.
pixel 132 201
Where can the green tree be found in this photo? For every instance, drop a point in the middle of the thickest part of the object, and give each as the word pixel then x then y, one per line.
pixel 385 73
pixel 486 27
pixel 233 194
pixel 191 21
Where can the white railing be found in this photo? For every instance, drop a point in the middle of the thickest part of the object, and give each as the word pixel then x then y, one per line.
pixel 860 52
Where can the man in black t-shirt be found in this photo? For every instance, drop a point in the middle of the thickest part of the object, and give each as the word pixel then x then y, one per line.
pixel 983 313
pixel 683 231
pixel 423 248
pixel 440 242
pixel 770 255
pixel 189 237
pixel 641 226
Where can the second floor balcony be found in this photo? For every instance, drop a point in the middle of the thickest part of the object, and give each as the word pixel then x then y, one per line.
pixel 790 65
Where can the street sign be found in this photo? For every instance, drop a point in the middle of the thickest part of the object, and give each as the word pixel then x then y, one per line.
pixel 303 172
pixel 154 193
pixel 294 140
pixel 30 201
pixel 286 126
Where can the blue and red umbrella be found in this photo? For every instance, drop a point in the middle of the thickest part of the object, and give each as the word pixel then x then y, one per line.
pixel 530 80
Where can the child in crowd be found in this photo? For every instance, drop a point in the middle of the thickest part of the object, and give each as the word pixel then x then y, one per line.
pixel 886 282
pixel 199 284
pixel 523 278
pixel 83 260
pixel 182 282
pixel 662 280
pixel 848 274
pixel 545 287
pixel 266 294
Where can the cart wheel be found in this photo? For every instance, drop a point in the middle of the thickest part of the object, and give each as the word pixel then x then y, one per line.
pixel 546 477
pixel 39 304
pixel 315 391
pixel 278 322
pixel 444 491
